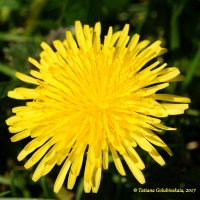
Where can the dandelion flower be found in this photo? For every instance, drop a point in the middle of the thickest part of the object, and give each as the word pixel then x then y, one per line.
pixel 92 99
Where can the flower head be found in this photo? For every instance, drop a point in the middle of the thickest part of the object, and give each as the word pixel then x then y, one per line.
pixel 93 99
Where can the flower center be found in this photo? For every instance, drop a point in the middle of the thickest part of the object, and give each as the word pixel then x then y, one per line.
pixel 101 105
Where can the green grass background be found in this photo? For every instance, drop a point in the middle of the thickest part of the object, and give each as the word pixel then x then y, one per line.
pixel 24 24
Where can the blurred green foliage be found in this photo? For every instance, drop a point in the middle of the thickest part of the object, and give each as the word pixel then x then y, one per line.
pixel 24 24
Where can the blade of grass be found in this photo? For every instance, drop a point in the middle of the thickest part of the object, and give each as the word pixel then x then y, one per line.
pixel 36 8
pixel 177 8
pixel 2 194
pixel 18 38
pixel 63 194
pixel 79 191
pixel 191 72
pixel 45 188
pixel 5 69
pixel 4 180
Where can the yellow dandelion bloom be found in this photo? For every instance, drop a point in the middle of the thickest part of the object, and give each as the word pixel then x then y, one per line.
pixel 93 99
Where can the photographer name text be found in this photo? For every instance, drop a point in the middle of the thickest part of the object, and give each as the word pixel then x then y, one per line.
pixel 149 190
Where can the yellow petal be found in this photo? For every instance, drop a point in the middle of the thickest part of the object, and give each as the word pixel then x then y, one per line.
pixel 151 90
pixel 48 168
pixel 156 156
pixel 23 93
pixel 123 35
pixel 117 161
pixel 135 171
pixel 170 75
pixel 12 120
pixel 87 186
pixel 97 180
pixel 172 98
pixel 133 42
pixel 38 172
pixel 37 156
pixel 105 158
pixel 168 150
pixel 80 35
pixel 26 78
pixel 36 74
pixel 21 135
pixel 134 156
pixel 61 176
pixel 31 146
pixel 143 143
pixel 35 63
pixel 175 109
pixel 71 42
pixel 71 180
pixel 97 33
